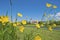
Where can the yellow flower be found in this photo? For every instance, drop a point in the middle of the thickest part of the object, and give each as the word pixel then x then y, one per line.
pixel 4 19
pixel 37 37
pixel 50 28
pixel 14 24
pixel 54 6
pixel 48 5
pixel 24 22
pixel 37 25
pixel 54 25
pixel 21 28
pixel 19 14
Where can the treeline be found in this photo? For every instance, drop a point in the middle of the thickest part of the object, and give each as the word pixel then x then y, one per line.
pixel 50 22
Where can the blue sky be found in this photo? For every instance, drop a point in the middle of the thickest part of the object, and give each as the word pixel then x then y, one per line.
pixel 32 8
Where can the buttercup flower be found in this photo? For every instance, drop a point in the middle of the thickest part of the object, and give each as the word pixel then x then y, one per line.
pixel 37 25
pixel 54 25
pixel 37 37
pixel 54 6
pixel 50 28
pixel 19 14
pixel 48 5
pixel 21 28
pixel 14 24
pixel 4 19
pixel 23 22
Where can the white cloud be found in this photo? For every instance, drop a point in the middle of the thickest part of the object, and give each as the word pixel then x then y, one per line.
pixel 58 14
pixel 56 17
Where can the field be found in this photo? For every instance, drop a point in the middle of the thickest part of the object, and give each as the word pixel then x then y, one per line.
pixel 29 20
pixel 11 31
pixel 44 33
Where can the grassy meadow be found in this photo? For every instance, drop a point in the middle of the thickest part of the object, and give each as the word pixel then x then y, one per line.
pixel 11 29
